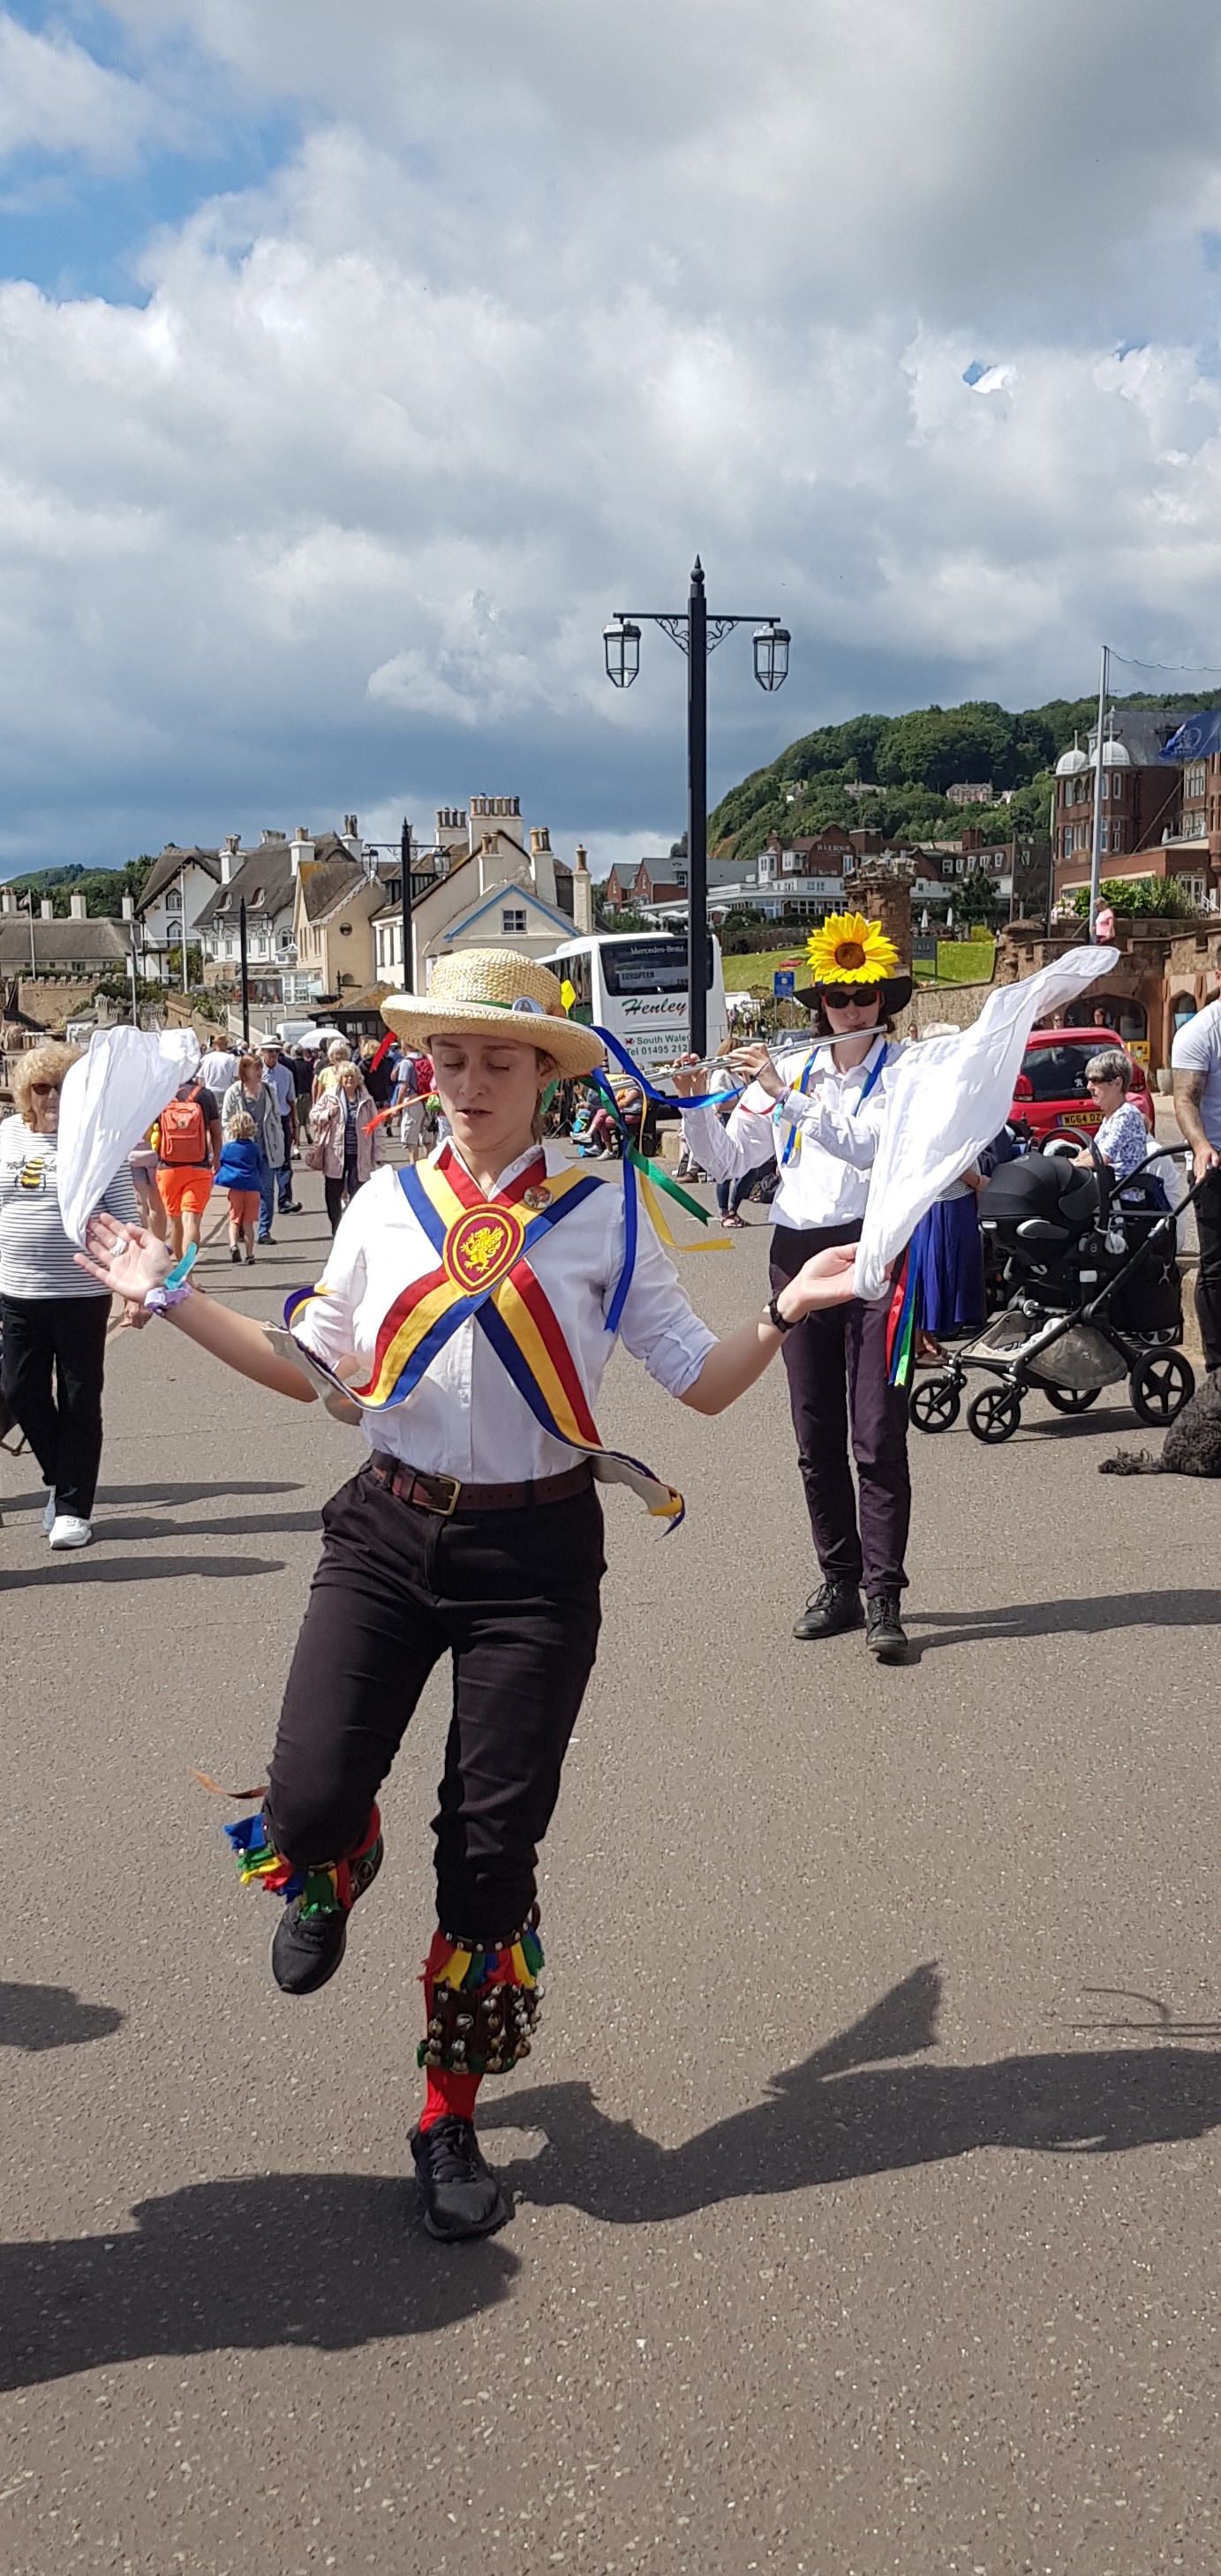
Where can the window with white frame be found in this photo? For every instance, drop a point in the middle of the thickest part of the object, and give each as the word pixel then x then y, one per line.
pixel 513 919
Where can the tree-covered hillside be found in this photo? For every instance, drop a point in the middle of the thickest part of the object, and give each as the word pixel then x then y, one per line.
pixel 102 888
pixel 910 760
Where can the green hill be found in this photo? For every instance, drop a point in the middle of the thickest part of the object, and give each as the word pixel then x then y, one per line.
pixel 102 888
pixel 909 761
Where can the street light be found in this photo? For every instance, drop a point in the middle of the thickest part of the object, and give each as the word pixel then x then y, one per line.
pixel 621 642
pixel 771 643
pixel 697 635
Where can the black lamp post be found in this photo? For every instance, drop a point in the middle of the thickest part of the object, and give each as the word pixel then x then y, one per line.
pixel 408 966
pixel 697 635
pixel 244 970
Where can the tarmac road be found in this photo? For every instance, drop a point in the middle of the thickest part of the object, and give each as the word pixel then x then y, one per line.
pixel 866 2168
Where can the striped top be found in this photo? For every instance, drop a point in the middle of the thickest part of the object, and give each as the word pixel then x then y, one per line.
pixel 35 1253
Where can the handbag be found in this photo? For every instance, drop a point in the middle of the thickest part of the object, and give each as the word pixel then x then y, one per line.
pixel 313 1155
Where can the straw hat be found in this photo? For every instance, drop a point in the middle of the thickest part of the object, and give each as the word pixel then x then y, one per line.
pixel 481 992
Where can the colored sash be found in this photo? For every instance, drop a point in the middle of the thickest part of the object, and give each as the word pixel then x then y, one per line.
pixel 484 1273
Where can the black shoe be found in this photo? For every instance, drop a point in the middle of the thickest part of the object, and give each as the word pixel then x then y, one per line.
pixel 830 1612
pixel 235 1252
pixel 306 1949
pixel 265 1238
pixel 885 1634
pixel 461 2196
pixel 291 1207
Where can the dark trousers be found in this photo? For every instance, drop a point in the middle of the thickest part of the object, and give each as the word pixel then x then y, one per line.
pixel 513 1598
pixel 334 1192
pixel 836 1365
pixel 1208 1277
pixel 284 1176
pixel 60 1338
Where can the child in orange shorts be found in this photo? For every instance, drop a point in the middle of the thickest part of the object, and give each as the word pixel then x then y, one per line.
pixel 238 1172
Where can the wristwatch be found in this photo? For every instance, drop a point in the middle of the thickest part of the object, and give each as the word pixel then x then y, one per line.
pixel 782 1323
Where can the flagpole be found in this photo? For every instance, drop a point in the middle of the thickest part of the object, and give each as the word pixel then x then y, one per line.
pixel 1096 852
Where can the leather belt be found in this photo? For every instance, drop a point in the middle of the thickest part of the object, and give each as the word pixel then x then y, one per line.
pixel 446 1495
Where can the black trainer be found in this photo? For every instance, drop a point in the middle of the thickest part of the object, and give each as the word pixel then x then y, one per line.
pixel 306 1948
pixel 460 2193
pixel 832 1611
pixel 885 1634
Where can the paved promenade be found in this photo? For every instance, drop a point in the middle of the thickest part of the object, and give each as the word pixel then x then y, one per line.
pixel 867 2166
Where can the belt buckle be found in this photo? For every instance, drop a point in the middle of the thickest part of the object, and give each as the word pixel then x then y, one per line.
pixel 444 1511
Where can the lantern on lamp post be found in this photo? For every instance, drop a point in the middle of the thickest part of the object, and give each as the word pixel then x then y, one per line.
pixel 697 635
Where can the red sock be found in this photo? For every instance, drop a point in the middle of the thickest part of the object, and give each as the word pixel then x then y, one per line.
pixel 449 2097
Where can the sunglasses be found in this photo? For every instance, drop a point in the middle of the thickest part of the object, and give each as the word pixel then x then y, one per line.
pixel 840 997
pixel 43 1089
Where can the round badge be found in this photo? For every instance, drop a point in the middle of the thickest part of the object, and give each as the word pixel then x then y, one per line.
pixel 481 1246
pixel 536 1199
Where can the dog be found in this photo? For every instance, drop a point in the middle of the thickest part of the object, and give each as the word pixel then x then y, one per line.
pixel 1192 1446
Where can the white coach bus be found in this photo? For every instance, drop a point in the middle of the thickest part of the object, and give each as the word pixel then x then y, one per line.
pixel 635 984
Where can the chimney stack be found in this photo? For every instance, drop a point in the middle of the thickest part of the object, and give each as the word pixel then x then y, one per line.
pixel 46 909
pixel 6 900
pixel 301 846
pixel 582 896
pixel 76 907
pixel 129 907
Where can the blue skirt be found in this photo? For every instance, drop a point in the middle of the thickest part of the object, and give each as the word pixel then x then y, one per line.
pixel 951 1267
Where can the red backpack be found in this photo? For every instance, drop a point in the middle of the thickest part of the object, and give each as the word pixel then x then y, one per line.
pixel 183 1134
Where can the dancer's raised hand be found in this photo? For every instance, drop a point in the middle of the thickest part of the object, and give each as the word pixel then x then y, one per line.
pixel 127 1259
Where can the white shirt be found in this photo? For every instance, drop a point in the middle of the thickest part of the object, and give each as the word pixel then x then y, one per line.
pixel 1197 1049
pixel 827 1183
pixel 466 1418
pixel 218 1070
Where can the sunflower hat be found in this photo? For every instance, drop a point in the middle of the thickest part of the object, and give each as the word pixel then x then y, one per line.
pixel 846 950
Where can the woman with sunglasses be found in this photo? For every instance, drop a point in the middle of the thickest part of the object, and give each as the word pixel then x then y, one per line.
pixel 817 1117
pixel 52 1316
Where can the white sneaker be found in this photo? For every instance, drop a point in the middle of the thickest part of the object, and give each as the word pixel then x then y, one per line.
pixel 68 1531
pixel 48 1518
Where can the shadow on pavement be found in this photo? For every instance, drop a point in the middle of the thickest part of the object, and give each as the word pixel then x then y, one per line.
pixel 35 2017
pixel 829 2120
pixel 1083 1618
pixel 326 2262
pixel 84 1566
pixel 232 1525
pixel 165 1494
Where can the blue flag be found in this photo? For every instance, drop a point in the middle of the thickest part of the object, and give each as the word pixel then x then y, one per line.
pixel 1196 739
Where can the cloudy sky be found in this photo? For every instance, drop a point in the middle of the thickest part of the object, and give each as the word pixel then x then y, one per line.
pixel 356 362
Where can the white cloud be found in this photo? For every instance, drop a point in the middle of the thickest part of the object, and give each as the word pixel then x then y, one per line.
pixel 545 301
pixel 55 98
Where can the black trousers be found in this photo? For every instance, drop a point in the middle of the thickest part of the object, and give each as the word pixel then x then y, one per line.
pixel 60 1339
pixel 333 1192
pixel 513 1597
pixel 1208 1277
pixel 836 1367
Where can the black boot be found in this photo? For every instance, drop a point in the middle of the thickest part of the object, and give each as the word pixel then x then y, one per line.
pixel 885 1635
pixel 306 1948
pixel 829 1612
pixel 461 2195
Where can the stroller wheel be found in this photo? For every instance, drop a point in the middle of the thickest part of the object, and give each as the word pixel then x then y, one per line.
pixel 1072 1399
pixel 994 1414
pixel 1160 1385
pixel 935 1402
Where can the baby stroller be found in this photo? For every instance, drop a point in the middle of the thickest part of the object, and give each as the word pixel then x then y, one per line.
pixel 1087 1271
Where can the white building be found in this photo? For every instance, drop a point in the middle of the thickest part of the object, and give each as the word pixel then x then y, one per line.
pixel 178 888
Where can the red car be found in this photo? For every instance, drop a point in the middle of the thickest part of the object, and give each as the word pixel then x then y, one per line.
pixel 1051 1088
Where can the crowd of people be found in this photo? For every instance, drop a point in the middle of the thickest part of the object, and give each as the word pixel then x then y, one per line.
pixel 473 1527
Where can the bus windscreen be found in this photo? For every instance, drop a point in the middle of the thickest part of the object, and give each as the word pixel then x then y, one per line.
pixel 648 966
